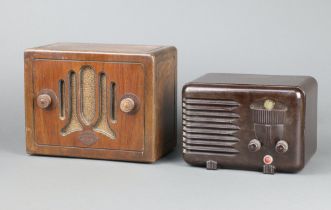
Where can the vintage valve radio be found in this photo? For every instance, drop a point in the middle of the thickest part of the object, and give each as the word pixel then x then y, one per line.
pixel 102 101
pixel 254 122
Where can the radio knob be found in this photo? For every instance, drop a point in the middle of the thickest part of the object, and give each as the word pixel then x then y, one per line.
pixel 127 105
pixel 254 145
pixel 281 146
pixel 44 100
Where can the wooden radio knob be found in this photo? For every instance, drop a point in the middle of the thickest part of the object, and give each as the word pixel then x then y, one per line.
pixel 44 101
pixel 127 105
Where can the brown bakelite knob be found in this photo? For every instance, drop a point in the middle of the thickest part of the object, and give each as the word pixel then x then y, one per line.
pixel 281 146
pixel 254 145
pixel 127 105
pixel 44 101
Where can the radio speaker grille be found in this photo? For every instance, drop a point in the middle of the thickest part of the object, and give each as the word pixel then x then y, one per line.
pixel 87 88
pixel 210 126
pixel 77 119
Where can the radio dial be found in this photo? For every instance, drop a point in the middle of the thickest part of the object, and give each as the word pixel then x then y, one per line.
pixel 254 145
pixel 129 103
pixel 281 146
pixel 44 101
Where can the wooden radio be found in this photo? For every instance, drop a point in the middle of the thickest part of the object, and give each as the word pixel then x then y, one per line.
pixel 101 101
pixel 253 122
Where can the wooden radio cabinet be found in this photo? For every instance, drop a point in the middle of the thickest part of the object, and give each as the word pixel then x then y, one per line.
pixel 254 122
pixel 101 101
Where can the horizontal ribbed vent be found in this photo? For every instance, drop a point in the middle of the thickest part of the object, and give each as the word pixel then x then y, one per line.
pixel 210 127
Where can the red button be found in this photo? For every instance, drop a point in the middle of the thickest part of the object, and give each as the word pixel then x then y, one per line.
pixel 268 159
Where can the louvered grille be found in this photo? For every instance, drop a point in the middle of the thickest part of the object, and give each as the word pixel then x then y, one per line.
pixel 210 127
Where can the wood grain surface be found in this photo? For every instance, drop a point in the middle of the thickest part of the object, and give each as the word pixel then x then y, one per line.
pixel 86 83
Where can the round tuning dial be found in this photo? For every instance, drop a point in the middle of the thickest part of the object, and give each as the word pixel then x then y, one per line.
pixel 254 145
pixel 44 100
pixel 128 105
pixel 281 146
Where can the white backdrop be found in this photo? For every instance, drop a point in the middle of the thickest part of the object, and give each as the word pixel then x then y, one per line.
pixel 266 37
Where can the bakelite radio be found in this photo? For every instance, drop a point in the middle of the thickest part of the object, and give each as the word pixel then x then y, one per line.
pixel 253 122
pixel 102 101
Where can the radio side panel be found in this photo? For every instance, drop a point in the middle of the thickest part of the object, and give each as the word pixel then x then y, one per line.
pixel 310 88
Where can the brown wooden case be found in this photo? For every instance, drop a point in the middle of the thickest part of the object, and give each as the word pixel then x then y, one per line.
pixel 254 122
pixel 101 101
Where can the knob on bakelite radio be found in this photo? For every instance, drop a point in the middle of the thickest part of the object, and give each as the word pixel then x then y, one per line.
pixel 254 145
pixel 44 100
pixel 281 146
